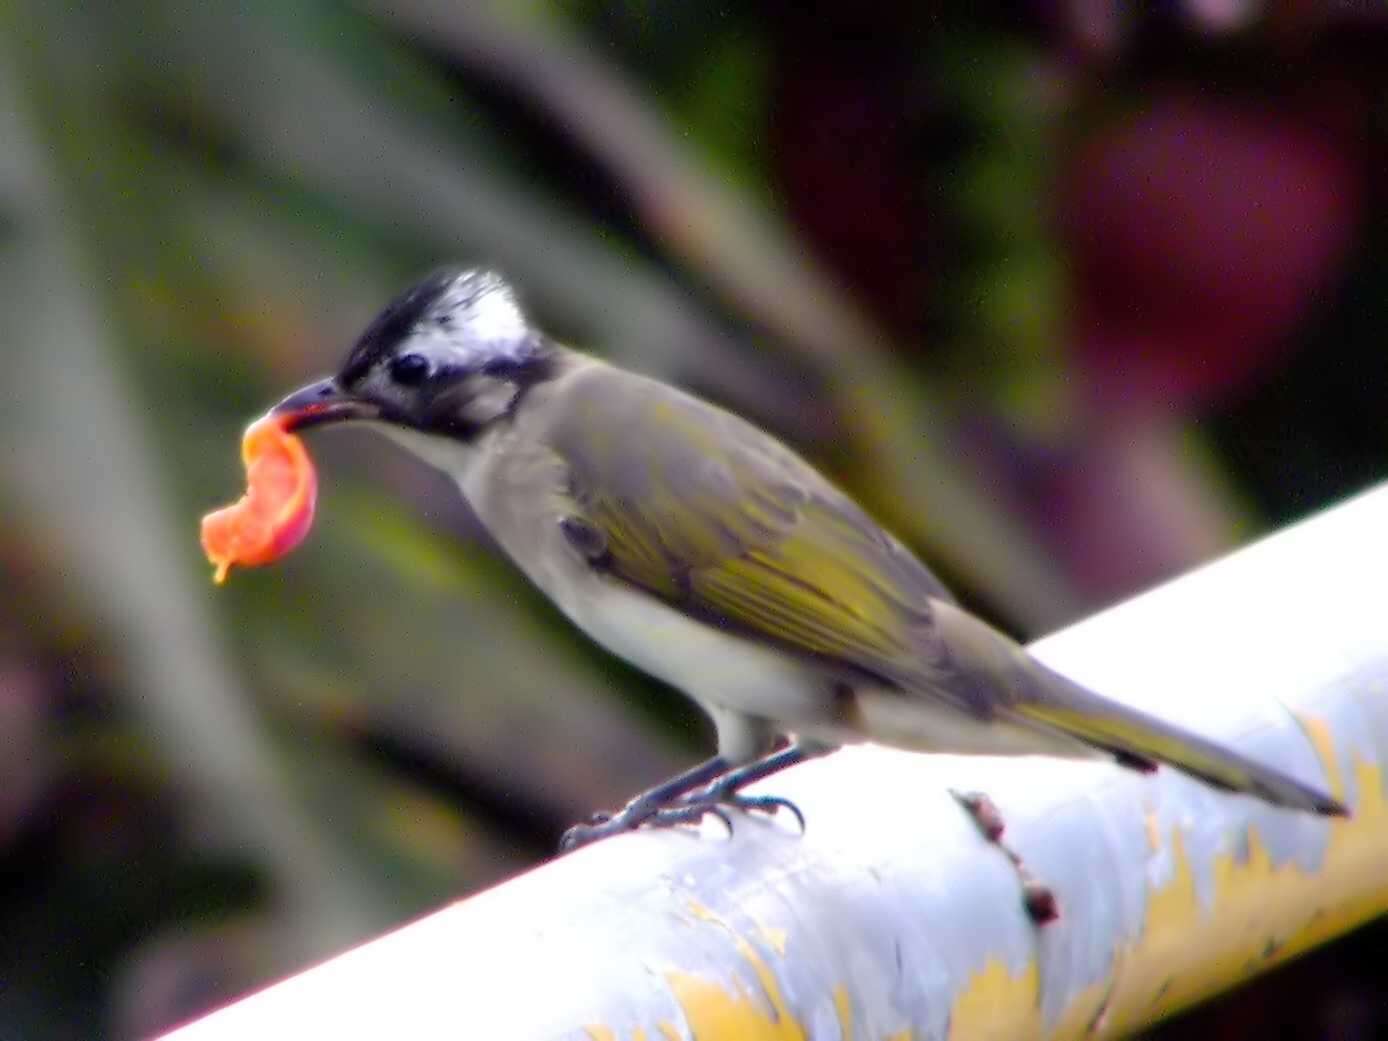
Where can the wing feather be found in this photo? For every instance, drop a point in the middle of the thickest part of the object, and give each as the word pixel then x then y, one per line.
pixel 717 518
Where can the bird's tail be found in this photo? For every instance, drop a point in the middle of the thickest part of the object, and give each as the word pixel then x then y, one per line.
pixel 1141 741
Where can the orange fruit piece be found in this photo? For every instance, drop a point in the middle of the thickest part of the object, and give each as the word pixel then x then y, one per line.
pixel 277 510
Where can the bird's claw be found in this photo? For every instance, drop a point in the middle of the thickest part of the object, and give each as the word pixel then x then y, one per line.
pixel 690 809
pixel 597 826
pixel 769 804
pixel 579 836
pixel 602 825
pixel 693 813
pixel 717 801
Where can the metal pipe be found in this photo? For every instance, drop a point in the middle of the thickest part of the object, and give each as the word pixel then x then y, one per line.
pixel 890 918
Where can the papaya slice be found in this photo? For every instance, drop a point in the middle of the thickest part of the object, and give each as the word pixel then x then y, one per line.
pixel 276 512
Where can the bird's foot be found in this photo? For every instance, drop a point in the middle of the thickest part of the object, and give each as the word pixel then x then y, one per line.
pixel 691 809
pixel 1037 897
pixel 725 792
pixel 681 800
pixel 717 799
pixel 603 825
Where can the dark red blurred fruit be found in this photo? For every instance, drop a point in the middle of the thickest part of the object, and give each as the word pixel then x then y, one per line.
pixel 1201 229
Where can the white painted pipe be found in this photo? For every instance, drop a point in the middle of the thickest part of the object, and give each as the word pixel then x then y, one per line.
pixel 890 918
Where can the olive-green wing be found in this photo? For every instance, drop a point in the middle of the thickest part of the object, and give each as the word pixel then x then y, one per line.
pixel 711 515
pixel 704 511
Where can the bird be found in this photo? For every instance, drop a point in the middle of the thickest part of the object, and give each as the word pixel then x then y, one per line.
pixel 705 552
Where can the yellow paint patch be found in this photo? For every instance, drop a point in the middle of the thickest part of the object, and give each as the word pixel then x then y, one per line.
pixel 1262 914
pixel 1087 1015
pixel 714 1012
pixel 669 1031
pixel 843 1005
pixel 1354 866
pixel 1318 733
pixel 599 1033
pixel 997 1004
pixel 703 913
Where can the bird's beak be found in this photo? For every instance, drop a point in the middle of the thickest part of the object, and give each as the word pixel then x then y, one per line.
pixel 321 403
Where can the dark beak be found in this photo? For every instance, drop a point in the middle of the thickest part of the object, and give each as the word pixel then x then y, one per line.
pixel 321 403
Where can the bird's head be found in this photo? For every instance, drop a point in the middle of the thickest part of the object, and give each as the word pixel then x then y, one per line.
pixel 446 360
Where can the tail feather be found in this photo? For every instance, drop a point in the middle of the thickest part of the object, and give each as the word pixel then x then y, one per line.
pixel 1140 741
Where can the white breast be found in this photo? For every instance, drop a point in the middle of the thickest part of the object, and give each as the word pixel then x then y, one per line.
pixel 511 487
pixel 710 665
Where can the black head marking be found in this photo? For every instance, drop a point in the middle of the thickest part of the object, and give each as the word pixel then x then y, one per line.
pixel 452 355
pixel 395 323
pixel 464 320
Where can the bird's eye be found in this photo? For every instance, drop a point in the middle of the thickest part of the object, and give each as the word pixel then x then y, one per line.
pixel 409 370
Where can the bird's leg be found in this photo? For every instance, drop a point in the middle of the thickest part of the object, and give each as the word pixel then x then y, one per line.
pixel 1037 897
pixel 643 807
pixel 725 791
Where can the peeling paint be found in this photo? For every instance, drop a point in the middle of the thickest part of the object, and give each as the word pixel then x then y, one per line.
pixel 843 1005
pixel 1153 827
pixel 1249 891
pixel 601 1033
pixel 715 1011
pixel 997 1004
pixel 1318 733
pixel 1355 856
pixel 775 939
pixel 1266 911
pixel 702 913
pixel 1087 1014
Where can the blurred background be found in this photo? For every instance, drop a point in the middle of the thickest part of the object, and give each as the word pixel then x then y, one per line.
pixel 1073 298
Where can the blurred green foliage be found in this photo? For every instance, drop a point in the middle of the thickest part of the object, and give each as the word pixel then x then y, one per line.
pixel 996 272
